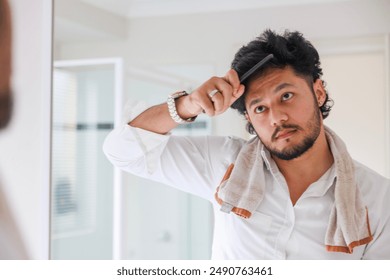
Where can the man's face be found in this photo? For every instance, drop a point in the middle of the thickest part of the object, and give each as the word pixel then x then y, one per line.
pixel 284 112
pixel 5 64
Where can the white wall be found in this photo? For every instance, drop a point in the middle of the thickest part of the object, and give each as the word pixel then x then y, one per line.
pixel 24 146
pixel 357 84
pixel 336 29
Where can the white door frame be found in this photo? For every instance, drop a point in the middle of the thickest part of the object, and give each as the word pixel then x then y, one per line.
pixel 118 104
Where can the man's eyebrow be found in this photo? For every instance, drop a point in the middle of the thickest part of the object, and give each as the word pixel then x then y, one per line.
pixel 282 86
pixel 254 101
pixel 278 88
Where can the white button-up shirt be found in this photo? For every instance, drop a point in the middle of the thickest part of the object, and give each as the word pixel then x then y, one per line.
pixel 278 229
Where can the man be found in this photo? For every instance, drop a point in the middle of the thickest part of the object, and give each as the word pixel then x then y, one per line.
pixel 11 246
pixel 291 192
pixel 5 64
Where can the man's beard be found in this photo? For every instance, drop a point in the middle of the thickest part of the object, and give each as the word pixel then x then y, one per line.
pixel 296 151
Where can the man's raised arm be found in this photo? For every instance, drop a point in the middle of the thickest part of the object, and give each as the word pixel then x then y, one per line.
pixel 213 98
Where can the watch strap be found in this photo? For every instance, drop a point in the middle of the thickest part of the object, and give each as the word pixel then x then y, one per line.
pixel 171 102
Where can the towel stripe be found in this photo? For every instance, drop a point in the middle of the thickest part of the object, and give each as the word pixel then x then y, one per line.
pixel 238 211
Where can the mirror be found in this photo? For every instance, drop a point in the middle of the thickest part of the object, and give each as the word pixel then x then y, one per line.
pixel 163 47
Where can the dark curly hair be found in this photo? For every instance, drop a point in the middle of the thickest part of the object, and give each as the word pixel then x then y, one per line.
pixel 290 49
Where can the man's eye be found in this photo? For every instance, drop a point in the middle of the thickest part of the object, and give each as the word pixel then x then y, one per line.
pixel 287 96
pixel 259 109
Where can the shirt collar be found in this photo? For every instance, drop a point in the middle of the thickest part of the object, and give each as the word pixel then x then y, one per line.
pixel 322 185
pixel 265 154
pixel 318 188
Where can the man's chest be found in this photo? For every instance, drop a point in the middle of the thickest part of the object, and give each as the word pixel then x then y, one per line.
pixel 279 230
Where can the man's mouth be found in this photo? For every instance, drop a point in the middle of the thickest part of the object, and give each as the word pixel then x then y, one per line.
pixel 284 131
pixel 284 134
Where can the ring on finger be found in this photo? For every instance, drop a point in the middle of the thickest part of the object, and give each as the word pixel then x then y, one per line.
pixel 213 92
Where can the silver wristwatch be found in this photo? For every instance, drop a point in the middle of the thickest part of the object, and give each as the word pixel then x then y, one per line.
pixel 172 107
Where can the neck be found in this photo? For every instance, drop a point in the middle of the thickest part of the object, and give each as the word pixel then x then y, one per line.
pixel 301 172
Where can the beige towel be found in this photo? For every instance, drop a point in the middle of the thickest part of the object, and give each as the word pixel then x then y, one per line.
pixel 242 190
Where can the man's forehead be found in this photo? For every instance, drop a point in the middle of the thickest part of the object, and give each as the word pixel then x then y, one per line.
pixel 273 80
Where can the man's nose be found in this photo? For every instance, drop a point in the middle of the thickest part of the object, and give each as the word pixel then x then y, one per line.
pixel 278 117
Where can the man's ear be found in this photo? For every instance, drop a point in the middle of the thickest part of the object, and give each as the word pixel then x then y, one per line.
pixel 319 91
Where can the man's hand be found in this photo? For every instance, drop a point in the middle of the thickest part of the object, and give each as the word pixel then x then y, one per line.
pixel 227 90
pixel 203 100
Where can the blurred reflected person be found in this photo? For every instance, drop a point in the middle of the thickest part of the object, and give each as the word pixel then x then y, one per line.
pixel 290 192
pixel 11 245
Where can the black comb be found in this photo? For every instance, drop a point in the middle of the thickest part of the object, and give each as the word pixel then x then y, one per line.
pixel 257 66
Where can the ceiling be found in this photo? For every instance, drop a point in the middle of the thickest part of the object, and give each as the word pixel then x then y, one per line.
pixel 78 21
pixel 150 8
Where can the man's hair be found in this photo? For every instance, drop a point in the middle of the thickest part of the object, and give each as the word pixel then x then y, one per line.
pixel 290 49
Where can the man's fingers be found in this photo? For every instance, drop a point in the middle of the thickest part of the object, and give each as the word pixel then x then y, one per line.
pixel 218 101
pixel 205 103
pixel 217 94
pixel 226 91
pixel 238 94
pixel 232 78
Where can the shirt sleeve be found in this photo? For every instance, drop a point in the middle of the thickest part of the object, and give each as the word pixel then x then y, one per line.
pixel 191 164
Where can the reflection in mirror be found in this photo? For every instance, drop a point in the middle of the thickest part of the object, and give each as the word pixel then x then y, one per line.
pixel 167 46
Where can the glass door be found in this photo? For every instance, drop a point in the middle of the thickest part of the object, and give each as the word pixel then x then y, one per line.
pixel 84 184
